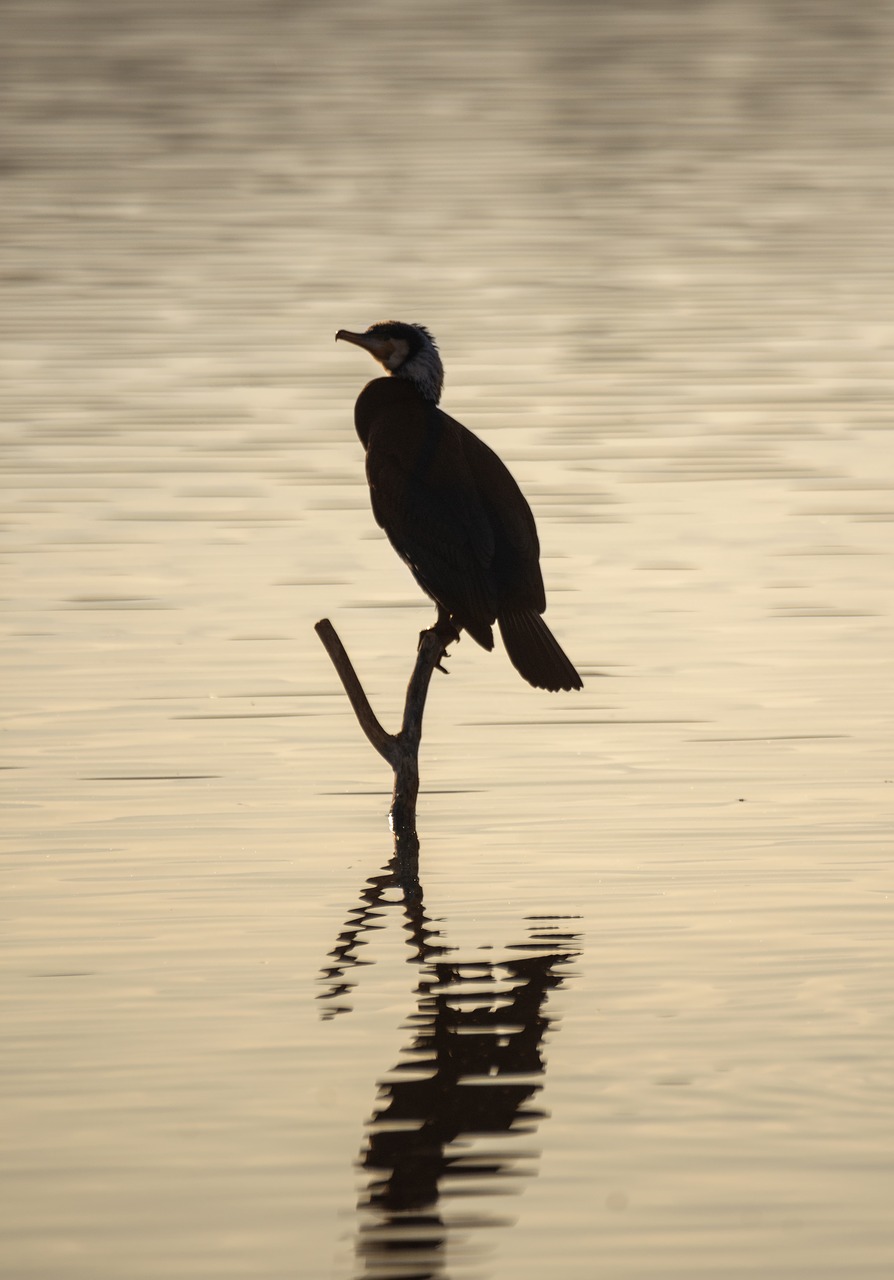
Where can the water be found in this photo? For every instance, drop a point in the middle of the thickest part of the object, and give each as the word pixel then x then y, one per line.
pixel 634 1019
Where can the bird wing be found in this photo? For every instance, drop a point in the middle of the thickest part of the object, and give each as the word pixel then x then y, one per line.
pixel 516 563
pixel 425 498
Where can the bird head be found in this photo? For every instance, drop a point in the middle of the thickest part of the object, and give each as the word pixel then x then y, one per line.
pixel 406 351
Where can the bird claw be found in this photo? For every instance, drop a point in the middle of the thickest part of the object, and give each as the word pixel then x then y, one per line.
pixel 439 632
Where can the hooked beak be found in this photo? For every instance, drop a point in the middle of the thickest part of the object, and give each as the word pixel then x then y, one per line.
pixel 379 348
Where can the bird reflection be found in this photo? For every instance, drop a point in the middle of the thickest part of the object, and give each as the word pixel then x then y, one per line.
pixel 450 1114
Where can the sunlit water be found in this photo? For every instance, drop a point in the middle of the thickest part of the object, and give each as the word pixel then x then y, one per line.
pixel 634 1019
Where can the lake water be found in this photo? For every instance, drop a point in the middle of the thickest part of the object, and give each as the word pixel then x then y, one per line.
pixel 634 1019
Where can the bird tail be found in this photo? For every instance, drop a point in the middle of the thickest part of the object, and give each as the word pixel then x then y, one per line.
pixel 535 652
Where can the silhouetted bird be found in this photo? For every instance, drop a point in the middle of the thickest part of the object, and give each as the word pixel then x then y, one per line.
pixel 451 509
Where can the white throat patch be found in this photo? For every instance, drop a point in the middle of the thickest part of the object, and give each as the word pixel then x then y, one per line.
pixel 424 370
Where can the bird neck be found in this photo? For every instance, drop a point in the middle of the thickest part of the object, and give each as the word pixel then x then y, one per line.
pixel 425 372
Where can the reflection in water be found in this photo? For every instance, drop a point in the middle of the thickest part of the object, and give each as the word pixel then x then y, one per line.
pixel 657 241
pixel 450 1112
pixel 396 885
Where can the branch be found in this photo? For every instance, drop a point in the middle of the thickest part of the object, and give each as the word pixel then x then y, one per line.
pixel 401 750
pixel 431 651
pixel 384 743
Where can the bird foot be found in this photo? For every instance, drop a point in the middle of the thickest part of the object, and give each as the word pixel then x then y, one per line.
pixel 446 631
pixel 447 634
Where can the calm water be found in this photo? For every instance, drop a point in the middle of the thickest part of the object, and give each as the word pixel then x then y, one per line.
pixel 634 1020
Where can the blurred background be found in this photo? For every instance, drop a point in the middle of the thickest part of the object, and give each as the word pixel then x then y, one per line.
pixel 634 1019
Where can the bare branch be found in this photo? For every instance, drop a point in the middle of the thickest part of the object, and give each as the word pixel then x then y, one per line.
pixel 401 750
pixel 431 650
pixel 385 743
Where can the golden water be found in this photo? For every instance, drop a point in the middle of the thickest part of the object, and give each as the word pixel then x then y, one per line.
pixel 635 1021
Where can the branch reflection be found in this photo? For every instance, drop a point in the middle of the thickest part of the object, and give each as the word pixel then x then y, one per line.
pixel 450 1114
pixel 397 885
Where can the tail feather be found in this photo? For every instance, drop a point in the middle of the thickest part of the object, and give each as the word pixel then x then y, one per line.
pixel 535 652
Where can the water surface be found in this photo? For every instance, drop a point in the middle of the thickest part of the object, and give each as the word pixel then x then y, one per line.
pixel 633 1019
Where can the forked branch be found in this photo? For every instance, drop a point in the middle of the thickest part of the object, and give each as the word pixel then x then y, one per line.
pixel 401 749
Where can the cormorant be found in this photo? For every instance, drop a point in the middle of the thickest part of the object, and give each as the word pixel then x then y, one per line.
pixel 451 509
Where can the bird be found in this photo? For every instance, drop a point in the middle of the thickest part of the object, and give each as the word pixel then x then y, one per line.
pixel 451 509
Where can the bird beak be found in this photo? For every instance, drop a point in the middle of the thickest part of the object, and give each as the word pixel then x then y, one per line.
pixel 379 348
